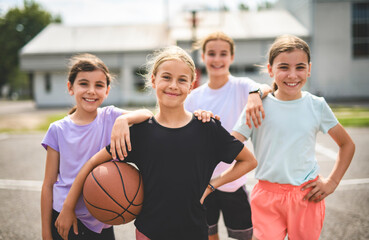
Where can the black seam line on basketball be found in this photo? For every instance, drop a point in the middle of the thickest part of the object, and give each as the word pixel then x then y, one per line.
pixel 124 189
pixel 111 219
pixel 125 209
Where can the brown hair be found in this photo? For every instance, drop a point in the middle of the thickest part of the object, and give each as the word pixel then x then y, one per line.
pixel 86 63
pixel 286 43
pixel 218 35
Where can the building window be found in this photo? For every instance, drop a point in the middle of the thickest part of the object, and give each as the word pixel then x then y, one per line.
pixel 360 29
pixel 139 79
pixel 47 80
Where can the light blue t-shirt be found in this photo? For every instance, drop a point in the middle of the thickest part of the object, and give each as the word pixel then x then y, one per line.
pixel 76 144
pixel 284 144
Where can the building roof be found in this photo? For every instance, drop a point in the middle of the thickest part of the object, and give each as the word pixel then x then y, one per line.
pixel 58 38
pixel 240 25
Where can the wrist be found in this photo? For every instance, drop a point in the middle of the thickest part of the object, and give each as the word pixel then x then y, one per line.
pixel 211 187
pixel 257 91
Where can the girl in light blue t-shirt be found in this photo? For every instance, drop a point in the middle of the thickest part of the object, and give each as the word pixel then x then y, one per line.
pixel 288 199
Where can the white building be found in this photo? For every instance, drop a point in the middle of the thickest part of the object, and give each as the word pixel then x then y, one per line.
pixel 337 73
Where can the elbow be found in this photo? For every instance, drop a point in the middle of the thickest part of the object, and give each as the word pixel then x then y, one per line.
pixel 254 163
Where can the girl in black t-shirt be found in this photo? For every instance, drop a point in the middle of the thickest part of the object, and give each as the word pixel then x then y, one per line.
pixel 176 155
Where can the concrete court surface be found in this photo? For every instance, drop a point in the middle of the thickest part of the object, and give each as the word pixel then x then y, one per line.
pixel 22 162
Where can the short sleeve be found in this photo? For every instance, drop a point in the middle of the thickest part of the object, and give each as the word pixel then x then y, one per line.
pixel 189 103
pixel 227 147
pixel 328 119
pixel 51 138
pixel 241 126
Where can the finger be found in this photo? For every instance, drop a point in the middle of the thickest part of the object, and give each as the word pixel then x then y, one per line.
pixel 118 149
pixel 112 150
pixel 257 113
pixel 217 117
pixel 254 119
pixel 262 112
pixel 310 194
pixel 208 117
pixel 248 122
pixel 123 148
pixel 128 142
pixel 75 226
pixel 204 116
pixel 199 114
pixel 309 185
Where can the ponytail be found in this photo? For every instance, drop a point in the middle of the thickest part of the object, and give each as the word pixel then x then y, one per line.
pixel 72 110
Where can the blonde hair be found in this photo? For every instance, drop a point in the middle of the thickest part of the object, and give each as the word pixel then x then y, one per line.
pixel 286 43
pixel 218 35
pixel 167 54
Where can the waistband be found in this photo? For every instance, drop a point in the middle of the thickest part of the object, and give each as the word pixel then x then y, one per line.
pixel 282 188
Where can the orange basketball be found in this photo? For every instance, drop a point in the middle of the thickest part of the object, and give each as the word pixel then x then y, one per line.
pixel 113 193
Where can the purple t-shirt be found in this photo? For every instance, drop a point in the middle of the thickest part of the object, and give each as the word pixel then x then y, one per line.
pixel 76 144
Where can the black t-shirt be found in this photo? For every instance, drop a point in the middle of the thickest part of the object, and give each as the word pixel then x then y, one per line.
pixel 176 165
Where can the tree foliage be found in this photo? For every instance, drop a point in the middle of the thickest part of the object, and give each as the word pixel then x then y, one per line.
pixel 18 27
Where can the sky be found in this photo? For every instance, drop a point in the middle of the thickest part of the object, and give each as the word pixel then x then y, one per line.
pixel 103 12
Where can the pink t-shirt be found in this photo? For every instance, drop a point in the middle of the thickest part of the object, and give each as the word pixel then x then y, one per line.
pixel 76 144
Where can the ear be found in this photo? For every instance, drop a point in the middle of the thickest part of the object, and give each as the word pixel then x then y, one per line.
pixel 309 70
pixel 70 88
pixel 232 58
pixel 270 70
pixel 202 56
pixel 107 91
pixel 192 86
pixel 153 81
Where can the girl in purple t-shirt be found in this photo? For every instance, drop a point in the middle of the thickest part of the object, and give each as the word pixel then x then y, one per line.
pixel 71 141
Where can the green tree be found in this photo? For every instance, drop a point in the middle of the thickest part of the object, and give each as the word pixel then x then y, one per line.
pixel 18 27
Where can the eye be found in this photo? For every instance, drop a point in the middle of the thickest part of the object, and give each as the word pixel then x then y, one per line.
pixel 283 67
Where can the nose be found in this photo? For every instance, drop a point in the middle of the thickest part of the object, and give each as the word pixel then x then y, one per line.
pixel 292 74
pixel 173 84
pixel 91 90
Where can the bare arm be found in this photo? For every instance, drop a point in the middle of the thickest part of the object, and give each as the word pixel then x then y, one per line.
pixel 239 136
pixel 255 106
pixel 324 187
pixel 63 222
pixel 51 174
pixel 120 138
pixel 245 162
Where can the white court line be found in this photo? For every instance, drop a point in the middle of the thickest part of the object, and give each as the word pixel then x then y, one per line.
pixel 29 185
pixel 330 154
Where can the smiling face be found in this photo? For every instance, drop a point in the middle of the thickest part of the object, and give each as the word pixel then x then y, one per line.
pixel 217 58
pixel 89 89
pixel 172 83
pixel 290 71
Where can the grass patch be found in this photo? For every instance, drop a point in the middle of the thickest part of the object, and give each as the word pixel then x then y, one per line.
pixel 352 116
pixel 50 119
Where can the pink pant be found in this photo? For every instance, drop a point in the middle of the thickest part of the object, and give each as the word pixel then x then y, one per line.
pixel 278 209
pixel 141 236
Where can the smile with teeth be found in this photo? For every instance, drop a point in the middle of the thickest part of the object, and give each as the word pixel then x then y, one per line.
pixel 291 84
pixel 217 66
pixel 90 100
